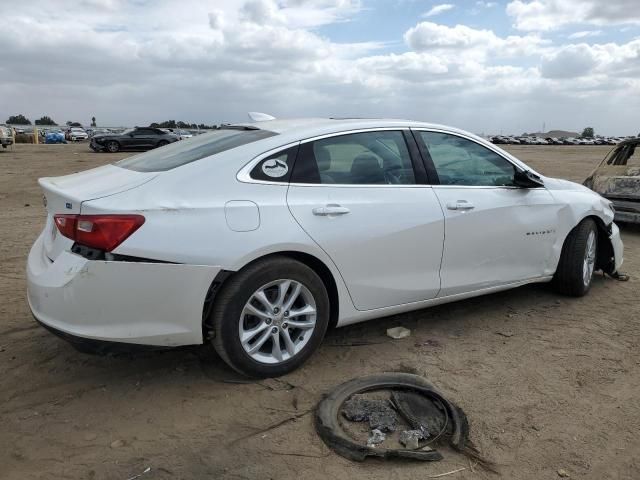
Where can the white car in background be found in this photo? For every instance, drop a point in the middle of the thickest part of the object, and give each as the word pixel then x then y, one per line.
pixel 76 134
pixel 258 237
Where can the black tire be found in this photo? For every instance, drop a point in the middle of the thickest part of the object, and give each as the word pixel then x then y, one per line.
pixel 236 292
pixel 162 143
pixel 113 146
pixel 569 278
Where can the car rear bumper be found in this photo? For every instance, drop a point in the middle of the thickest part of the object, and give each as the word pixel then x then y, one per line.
pixel 143 303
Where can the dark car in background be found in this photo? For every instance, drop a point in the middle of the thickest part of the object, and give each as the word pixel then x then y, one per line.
pixel 139 138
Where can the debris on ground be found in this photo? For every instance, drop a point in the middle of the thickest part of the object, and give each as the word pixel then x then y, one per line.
pixel 433 418
pixel 145 471
pixel 398 332
pixel 563 473
pixel 378 413
pixel 505 334
pixel 117 444
pixel 411 438
pixel 376 438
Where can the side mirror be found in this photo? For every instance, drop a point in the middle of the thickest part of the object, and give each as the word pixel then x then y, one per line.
pixel 526 179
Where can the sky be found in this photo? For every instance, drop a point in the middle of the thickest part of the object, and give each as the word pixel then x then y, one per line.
pixel 507 66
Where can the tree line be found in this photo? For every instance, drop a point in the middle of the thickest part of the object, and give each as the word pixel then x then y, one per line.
pixel 47 120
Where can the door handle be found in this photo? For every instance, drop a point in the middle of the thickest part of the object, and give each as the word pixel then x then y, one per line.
pixel 462 205
pixel 331 209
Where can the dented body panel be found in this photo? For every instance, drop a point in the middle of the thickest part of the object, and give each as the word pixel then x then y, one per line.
pixel 128 302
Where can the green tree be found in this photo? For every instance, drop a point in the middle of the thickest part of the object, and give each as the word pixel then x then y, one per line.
pixel 45 120
pixel 587 132
pixel 93 121
pixel 18 120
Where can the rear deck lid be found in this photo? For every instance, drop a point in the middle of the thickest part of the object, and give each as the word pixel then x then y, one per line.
pixel 64 195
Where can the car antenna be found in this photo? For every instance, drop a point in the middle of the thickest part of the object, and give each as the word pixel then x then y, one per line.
pixel 260 117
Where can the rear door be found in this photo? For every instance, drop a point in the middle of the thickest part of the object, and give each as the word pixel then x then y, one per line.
pixel 361 199
pixel 496 233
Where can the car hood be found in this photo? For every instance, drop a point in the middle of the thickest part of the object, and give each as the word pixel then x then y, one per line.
pixel 556 184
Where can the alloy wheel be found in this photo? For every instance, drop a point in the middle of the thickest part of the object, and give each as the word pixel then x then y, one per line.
pixel 589 259
pixel 277 321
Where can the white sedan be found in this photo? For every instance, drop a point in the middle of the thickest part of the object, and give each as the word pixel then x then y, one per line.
pixel 258 237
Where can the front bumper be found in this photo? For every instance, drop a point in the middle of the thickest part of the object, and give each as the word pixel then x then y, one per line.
pixel 6 141
pixel 616 244
pixel 157 304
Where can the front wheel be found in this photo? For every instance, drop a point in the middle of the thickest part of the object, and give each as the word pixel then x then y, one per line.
pixel 113 147
pixel 270 317
pixel 577 260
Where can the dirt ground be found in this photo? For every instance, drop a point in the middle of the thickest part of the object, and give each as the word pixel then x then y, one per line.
pixel 548 382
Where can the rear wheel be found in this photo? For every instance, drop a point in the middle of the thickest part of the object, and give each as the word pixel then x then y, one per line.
pixel 577 261
pixel 113 146
pixel 270 317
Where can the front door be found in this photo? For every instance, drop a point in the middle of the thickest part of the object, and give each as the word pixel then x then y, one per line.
pixel 496 233
pixel 356 196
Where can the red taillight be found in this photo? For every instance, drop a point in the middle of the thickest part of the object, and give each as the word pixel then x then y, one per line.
pixel 104 232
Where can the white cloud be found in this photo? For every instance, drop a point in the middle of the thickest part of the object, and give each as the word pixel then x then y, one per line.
pixel 438 9
pixel 546 15
pixel 212 63
pixel 585 34
pixel 483 4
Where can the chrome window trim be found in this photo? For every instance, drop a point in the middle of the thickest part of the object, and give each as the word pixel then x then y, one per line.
pixel 244 174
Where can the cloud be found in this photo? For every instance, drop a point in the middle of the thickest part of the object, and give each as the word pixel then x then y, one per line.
pixel 438 9
pixel 209 63
pixel 483 4
pixel 547 15
pixel 585 34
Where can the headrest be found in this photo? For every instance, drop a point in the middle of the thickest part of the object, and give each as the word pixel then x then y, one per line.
pixel 323 158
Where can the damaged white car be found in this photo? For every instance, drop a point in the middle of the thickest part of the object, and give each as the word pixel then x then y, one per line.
pixel 259 237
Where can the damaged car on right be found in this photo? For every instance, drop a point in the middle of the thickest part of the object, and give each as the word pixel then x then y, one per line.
pixel 617 179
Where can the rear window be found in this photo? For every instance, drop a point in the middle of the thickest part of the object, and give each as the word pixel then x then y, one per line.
pixel 187 151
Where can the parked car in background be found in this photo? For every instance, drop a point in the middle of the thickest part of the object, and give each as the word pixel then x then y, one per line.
pixel 617 178
pixel 77 134
pixel 184 134
pixel 139 138
pixel 250 237
pixel 6 136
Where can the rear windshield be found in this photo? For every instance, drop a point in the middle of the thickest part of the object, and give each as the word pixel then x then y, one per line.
pixel 192 149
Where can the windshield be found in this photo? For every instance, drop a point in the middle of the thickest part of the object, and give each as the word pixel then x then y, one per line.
pixel 195 148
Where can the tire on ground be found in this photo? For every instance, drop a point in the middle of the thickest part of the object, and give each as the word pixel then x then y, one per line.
pixel 230 302
pixel 568 278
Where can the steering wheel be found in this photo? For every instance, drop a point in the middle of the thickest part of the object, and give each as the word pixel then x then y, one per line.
pixel 390 176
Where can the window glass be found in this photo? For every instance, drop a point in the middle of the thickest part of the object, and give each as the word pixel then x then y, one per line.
pixel 369 158
pixel 192 149
pixel 277 167
pixel 459 161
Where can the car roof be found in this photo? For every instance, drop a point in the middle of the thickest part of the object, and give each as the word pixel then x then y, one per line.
pixel 311 127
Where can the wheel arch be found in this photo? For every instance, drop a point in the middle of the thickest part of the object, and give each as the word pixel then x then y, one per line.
pixel 605 259
pixel 313 262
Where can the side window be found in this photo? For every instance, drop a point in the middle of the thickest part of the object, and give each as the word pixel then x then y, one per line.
pixel 368 158
pixel 459 161
pixel 277 167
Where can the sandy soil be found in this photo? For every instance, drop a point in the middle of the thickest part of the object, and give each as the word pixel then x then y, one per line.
pixel 548 382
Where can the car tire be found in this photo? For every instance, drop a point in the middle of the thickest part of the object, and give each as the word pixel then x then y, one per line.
pixel 577 261
pixel 267 334
pixel 162 143
pixel 113 146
